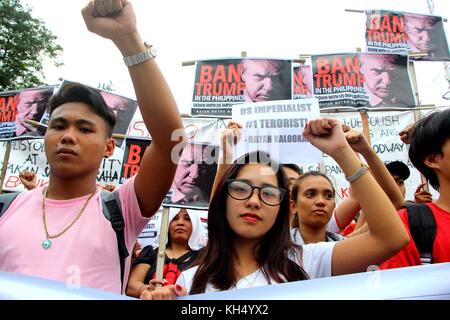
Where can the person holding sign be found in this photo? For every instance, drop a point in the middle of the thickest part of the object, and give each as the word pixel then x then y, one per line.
pixel 266 79
pixel 181 250
pixel 68 239
pixel 248 224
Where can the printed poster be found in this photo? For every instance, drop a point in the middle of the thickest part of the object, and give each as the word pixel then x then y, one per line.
pixel 219 84
pixel 403 33
pixel 362 80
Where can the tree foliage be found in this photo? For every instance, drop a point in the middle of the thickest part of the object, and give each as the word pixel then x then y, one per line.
pixel 24 44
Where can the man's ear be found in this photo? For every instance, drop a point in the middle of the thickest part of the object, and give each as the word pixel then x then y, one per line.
pixel 109 147
pixel 433 161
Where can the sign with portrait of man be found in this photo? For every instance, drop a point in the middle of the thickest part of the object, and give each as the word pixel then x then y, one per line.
pixel 362 80
pixel 194 178
pixel 18 106
pixel 219 84
pixel 302 82
pixel 403 33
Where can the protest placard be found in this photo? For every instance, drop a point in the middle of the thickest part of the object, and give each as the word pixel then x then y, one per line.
pixel 29 155
pixel 302 82
pixel 219 84
pixel 132 157
pixel 362 80
pixel 385 140
pixel 196 129
pixel 18 106
pixel 194 178
pixel 421 35
pixel 276 127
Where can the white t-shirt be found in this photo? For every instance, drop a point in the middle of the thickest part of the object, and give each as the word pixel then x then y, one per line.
pixel 316 262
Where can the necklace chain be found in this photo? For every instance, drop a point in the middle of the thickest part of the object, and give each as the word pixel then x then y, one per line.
pixel 49 236
pixel 251 283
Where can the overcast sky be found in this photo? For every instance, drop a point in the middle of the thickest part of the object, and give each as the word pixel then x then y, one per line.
pixel 189 30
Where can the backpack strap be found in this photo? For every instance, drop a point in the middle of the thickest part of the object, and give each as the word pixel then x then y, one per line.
pixel 112 211
pixel 423 229
pixel 334 237
pixel 5 201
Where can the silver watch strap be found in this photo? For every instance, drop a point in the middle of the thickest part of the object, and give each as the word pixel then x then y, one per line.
pixel 141 57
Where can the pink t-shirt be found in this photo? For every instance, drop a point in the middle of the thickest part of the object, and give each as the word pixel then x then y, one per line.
pixel 86 255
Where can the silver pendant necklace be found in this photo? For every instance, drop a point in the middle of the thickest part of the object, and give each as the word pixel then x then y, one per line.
pixel 47 243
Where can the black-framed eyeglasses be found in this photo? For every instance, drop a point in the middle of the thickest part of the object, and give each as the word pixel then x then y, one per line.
pixel 241 190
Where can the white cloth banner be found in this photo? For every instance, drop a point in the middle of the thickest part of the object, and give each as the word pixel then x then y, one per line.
pixel 197 129
pixel 385 140
pixel 29 155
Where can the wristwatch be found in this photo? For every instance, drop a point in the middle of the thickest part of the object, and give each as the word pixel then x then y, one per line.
pixel 141 57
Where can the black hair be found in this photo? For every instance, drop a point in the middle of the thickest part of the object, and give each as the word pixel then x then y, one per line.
pixel 428 136
pixel 76 92
pixel 294 167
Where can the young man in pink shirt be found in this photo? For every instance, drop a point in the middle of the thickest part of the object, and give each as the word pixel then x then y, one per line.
pixel 60 232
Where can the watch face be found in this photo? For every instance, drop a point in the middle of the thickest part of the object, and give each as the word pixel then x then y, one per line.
pixel 152 51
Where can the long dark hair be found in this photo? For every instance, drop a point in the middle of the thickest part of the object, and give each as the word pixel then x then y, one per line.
pixel 216 263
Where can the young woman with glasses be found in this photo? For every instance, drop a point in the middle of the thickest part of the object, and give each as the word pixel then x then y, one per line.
pixel 248 224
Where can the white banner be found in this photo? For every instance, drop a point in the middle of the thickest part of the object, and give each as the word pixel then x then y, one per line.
pixel 29 155
pixel 276 127
pixel 385 140
pixel 197 129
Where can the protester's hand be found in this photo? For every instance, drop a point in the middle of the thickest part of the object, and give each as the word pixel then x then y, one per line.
pixel 229 137
pixel 109 187
pixel 405 134
pixel 421 195
pixel 110 19
pixel 28 179
pixel 357 141
pixel 152 285
pixel 137 248
pixel 326 134
pixel 170 292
